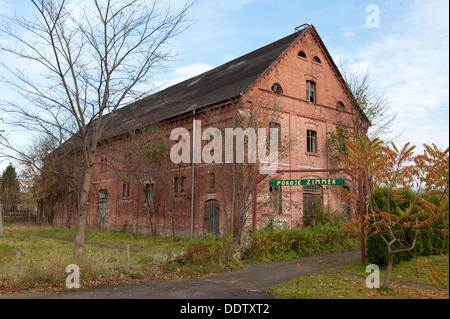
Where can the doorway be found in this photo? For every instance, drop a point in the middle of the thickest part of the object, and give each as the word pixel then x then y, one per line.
pixel 102 204
pixel 312 200
pixel 212 217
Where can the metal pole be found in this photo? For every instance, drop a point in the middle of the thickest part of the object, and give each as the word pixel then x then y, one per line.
pixel 193 173
pixel 255 192
pixel 361 218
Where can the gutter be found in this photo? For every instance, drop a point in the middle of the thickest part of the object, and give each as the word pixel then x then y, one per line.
pixel 193 173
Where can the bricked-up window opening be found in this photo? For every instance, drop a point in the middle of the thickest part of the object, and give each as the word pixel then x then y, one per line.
pixel 126 189
pixel 275 199
pixel 340 106
pixel 316 59
pixel 276 88
pixel 212 180
pixel 103 164
pixel 311 141
pixel 149 192
pixel 127 159
pixel 310 91
pixel 69 197
pixel 302 54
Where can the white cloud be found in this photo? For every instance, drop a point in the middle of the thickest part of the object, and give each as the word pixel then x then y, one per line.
pixel 409 63
pixel 183 73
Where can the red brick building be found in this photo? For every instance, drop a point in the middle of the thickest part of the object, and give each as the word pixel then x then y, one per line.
pixel 294 79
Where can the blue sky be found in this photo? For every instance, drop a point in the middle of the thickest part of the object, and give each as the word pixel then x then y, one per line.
pixel 407 56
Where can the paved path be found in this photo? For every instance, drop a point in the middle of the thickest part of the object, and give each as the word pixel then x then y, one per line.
pixel 248 283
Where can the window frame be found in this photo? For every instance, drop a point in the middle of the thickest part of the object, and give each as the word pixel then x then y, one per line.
pixel 311 91
pixel 276 200
pixel 311 142
pixel 149 187
pixel 126 190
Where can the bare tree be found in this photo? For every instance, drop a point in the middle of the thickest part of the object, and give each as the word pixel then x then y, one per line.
pixel 374 105
pixel 92 59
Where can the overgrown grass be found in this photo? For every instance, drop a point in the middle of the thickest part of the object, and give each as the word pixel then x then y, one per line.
pixel 210 254
pixel 44 260
pixel 103 237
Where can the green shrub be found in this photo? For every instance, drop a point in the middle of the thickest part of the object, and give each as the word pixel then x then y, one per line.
pixel 294 243
pixel 210 249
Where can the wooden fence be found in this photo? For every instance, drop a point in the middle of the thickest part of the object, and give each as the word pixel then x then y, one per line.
pixel 20 216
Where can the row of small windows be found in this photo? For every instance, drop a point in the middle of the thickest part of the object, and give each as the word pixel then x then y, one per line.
pixel 310 93
pixel 303 55
pixel 179 187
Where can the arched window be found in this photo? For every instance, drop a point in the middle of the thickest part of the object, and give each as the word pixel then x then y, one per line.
pixel 316 59
pixel 302 54
pixel 340 105
pixel 276 88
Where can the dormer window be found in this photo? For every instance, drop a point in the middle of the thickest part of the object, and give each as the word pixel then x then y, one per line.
pixel 302 54
pixel 276 88
pixel 316 59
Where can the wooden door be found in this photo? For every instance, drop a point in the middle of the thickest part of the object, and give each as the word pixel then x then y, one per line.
pixel 212 217
pixel 311 202
pixel 102 205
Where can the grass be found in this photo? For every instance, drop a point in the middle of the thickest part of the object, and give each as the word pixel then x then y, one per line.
pixel 156 244
pixel 348 282
pixel 45 259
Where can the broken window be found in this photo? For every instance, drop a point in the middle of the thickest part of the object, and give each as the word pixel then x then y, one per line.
pixel 126 189
pixel 149 192
pixel 276 88
pixel 275 199
pixel 310 91
pixel 311 141
pixel 179 185
pixel 340 105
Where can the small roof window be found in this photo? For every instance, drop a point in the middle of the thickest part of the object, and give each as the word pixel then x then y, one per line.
pixel 316 59
pixel 302 54
pixel 340 105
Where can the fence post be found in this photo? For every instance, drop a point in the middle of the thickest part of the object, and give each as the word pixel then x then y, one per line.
pixel 127 252
pixel 1 220
pixel 17 261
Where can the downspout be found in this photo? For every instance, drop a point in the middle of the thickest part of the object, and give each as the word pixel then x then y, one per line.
pixel 193 173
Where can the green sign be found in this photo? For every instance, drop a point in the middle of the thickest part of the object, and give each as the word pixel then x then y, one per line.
pixel 315 181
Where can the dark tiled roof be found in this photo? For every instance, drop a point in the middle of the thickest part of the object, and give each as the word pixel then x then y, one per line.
pixel 219 84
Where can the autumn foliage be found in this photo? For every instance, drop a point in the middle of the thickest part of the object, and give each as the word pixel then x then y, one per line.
pixel 415 193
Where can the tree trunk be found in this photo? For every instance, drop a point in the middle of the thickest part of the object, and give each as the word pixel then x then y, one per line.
pixel 82 215
pixel 387 277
